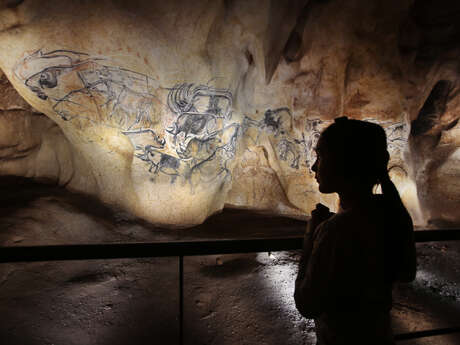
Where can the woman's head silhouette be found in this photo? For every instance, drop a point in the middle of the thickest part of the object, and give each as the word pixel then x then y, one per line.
pixel 351 155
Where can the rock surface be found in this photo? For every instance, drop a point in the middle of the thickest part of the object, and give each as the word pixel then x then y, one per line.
pixel 173 110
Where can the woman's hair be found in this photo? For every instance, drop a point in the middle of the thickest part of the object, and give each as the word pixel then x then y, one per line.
pixel 361 148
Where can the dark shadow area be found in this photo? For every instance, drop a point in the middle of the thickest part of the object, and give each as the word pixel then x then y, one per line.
pixel 21 193
pixel 120 302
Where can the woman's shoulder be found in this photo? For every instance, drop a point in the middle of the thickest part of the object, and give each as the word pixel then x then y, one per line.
pixel 336 225
pixel 357 218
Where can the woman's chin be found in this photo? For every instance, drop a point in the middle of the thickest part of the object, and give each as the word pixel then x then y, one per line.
pixel 325 189
pixel 321 188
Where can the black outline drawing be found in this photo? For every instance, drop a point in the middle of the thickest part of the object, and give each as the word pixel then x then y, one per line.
pixel 313 128
pixel 123 95
pixel 203 128
pixel 145 137
pixel 301 151
pixel 193 124
pixel 203 137
pixel 397 133
pixel 201 140
pixel 277 122
pixel 160 162
pixel 288 148
pixel 198 136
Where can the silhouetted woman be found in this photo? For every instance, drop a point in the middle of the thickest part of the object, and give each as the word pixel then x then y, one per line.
pixel 351 259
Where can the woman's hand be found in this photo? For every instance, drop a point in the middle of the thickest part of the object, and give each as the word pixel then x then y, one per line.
pixel 318 215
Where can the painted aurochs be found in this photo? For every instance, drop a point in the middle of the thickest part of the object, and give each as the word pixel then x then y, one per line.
pixel 174 109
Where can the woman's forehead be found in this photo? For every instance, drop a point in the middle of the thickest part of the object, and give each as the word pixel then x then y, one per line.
pixel 321 144
pixel 329 143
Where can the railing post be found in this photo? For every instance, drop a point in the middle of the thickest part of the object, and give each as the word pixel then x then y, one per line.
pixel 181 299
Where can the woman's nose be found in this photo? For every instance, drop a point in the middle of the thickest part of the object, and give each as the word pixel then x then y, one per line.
pixel 314 166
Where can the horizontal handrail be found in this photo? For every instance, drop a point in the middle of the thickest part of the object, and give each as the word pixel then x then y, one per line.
pixel 176 248
pixel 145 250
pixel 426 333
pixel 437 235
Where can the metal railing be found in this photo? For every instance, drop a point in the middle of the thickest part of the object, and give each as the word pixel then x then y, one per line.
pixel 191 248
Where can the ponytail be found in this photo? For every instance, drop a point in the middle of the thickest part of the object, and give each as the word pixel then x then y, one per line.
pixel 400 258
pixel 389 190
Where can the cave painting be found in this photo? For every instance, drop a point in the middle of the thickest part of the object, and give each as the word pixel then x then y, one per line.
pixel 99 92
pixel 194 144
pixel 173 110
pixel 202 129
pixel 299 152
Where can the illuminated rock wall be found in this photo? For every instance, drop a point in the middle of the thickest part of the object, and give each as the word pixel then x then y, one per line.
pixel 172 110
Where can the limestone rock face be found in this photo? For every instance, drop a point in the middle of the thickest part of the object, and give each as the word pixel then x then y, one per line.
pixel 173 110
pixel 34 146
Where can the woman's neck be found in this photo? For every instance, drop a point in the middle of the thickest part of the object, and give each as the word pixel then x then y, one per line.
pixel 354 197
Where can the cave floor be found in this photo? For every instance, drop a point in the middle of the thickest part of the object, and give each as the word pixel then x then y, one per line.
pixel 229 299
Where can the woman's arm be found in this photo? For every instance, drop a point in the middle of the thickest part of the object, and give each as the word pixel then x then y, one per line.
pixel 312 288
pixel 310 259
pixel 318 215
pixel 307 248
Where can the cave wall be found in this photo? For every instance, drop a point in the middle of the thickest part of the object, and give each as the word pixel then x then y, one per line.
pixel 175 110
